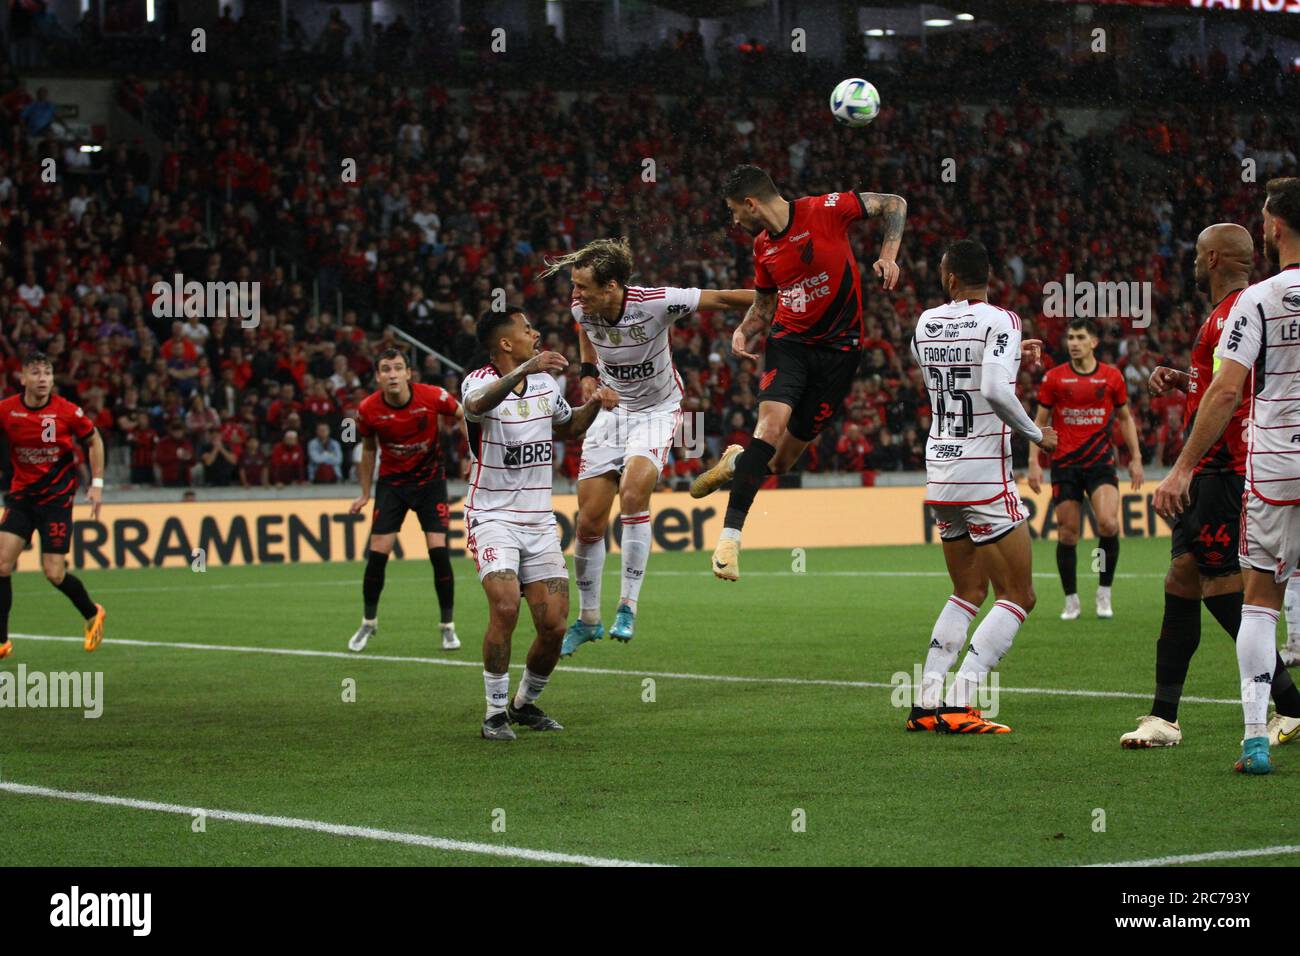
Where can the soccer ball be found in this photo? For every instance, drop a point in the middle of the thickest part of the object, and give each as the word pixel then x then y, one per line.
pixel 855 102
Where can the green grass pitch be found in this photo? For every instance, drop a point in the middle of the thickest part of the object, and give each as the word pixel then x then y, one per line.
pixel 709 772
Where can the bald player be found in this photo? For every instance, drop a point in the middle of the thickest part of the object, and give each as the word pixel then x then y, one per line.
pixel 1204 566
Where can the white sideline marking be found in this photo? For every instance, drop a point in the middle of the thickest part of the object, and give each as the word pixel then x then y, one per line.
pixel 1206 857
pixel 667 675
pixel 613 572
pixel 318 826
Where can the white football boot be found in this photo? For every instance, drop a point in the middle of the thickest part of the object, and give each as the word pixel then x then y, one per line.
pixel 1152 731
pixel 1103 603
pixel 1071 612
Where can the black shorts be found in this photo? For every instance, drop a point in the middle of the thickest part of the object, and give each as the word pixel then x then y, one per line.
pixel 1069 482
pixel 1210 528
pixel 428 501
pixel 53 521
pixel 812 380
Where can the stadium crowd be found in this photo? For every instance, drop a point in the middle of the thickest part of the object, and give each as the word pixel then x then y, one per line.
pixel 409 206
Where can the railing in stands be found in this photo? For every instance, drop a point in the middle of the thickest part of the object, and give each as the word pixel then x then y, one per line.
pixel 416 343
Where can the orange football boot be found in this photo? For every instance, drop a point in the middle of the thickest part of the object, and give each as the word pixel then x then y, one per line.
pixel 95 629
pixel 967 720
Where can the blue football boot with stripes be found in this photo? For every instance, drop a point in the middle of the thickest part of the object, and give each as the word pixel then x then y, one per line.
pixel 624 624
pixel 579 634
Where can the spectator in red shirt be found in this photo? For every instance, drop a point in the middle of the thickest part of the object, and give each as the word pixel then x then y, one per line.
pixel 254 468
pixel 175 456
pixel 143 441
pixel 288 461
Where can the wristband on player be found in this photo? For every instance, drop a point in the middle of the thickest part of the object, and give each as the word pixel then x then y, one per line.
pixel 589 370
pixel 97 482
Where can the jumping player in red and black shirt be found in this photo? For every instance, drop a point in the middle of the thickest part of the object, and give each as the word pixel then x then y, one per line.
pixel 807 289
pixel 1203 566
pixel 401 420
pixel 1082 399
pixel 43 430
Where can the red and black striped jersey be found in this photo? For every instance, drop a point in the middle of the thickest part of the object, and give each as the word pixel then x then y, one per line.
pixel 1227 456
pixel 409 452
pixel 42 447
pixel 1083 410
pixel 811 264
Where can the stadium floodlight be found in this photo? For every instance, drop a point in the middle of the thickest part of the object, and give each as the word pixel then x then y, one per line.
pixel 937 22
pixel 876 32
pixel 966 16
pixel 150 13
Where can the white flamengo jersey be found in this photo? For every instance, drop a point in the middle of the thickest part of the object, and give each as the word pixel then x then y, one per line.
pixel 1263 334
pixel 636 360
pixel 512 450
pixel 968 453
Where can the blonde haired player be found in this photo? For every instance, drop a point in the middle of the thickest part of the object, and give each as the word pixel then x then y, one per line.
pixel 1257 358
pixel 623 335
pixel 970 353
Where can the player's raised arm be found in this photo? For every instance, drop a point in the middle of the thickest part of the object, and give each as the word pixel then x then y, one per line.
pixel 487 397
pixel 755 324
pixel 893 210
pixel 1001 357
pixel 730 299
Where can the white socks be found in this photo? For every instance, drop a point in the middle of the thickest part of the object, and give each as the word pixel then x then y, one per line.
pixel 946 641
pixel 588 566
pixel 636 554
pixel 1292 606
pixel 1256 657
pixel 530 688
pixel 497 687
pixel 991 641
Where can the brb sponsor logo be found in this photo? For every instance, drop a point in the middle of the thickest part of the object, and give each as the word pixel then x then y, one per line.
pixel 1098 300
pixel 527 454
pixel 656 432
pixel 75 690
pixel 75 908
pixel 208 300
pixel 630 373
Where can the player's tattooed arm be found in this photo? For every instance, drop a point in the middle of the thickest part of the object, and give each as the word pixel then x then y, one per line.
pixel 584 415
pixel 755 325
pixel 727 299
pixel 893 211
pixel 483 400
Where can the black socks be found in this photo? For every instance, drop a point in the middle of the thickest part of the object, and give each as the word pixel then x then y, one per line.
pixel 444 582
pixel 1109 557
pixel 1067 563
pixel 76 593
pixel 751 471
pixel 372 583
pixel 1180 635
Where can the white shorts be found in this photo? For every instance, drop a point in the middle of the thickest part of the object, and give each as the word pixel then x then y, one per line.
pixel 984 523
pixel 1270 537
pixel 618 436
pixel 531 551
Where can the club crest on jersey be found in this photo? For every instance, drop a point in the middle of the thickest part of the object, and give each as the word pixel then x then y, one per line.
pixel 544 405
pixel 615 336
pixel 637 333
pixel 806 253
pixel 1101 391
pixel 521 407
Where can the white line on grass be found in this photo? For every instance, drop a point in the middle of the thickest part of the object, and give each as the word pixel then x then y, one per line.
pixel 318 826
pixel 613 572
pixel 667 675
pixel 1207 857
